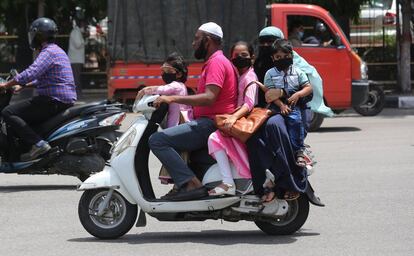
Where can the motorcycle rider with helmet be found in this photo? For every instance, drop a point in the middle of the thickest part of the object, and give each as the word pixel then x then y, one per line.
pixel 52 76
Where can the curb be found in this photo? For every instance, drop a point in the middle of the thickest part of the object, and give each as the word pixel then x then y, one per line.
pixel 399 101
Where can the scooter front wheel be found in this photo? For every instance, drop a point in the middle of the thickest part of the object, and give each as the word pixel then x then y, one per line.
pixel 291 222
pixel 114 221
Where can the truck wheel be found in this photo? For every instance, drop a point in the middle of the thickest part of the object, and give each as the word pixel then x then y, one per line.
pixel 316 121
pixel 375 103
pixel 117 219
pixel 291 222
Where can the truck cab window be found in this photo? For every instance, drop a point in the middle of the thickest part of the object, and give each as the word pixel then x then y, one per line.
pixel 309 31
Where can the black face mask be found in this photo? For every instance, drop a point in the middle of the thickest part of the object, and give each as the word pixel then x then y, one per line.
pixel 201 52
pixel 241 62
pixel 282 64
pixel 265 51
pixel 168 77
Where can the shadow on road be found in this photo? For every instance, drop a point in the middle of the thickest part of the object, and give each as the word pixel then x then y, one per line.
pixel 21 188
pixel 337 129
pixel 214 237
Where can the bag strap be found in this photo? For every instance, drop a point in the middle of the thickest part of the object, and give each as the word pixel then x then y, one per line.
pixel 259 84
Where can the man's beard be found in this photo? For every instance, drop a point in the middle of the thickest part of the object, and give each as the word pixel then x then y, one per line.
pixel 201 52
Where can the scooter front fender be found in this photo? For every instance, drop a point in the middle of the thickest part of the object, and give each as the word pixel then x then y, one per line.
pixel 310 193
pixel 107 178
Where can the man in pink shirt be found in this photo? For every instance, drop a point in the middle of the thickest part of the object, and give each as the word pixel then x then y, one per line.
pixel 216 94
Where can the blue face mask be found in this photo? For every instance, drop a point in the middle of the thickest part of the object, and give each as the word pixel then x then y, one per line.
pixel 300 34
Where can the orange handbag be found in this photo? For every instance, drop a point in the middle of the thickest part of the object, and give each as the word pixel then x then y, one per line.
pixel 244 127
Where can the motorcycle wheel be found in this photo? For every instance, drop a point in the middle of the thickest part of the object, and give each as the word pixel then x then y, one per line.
pixel 118 217
pixel 375 103
pixel 291 222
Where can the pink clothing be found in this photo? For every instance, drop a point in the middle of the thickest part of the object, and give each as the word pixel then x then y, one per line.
pixel 218 71
pixel 234 148
pixel 175 109
pixel 251 97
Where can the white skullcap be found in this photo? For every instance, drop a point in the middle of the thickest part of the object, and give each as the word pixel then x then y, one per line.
pixel 212 28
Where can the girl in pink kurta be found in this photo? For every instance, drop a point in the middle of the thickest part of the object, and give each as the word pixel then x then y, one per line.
pixel 222 147
pixel 174 74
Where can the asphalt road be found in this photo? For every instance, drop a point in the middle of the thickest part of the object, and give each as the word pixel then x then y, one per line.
pixel 365 175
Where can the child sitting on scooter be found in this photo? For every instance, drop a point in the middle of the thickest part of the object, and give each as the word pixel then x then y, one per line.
pixel 296 86
pixel 174 73
pixel 227 149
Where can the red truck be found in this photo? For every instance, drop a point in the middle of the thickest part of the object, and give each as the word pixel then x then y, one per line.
pixel 141 36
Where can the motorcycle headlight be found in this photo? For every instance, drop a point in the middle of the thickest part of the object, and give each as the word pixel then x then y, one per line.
pixel 124 142
pixel 364 70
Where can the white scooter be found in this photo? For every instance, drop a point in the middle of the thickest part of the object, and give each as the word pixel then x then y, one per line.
pixel 108 208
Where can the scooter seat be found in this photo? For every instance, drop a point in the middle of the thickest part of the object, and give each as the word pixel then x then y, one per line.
pixel 50 125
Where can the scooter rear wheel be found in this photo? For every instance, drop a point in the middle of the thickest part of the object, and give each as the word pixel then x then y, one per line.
pixel 291 222
pixel 117 219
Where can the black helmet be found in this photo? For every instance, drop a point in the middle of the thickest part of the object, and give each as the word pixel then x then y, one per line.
pixel 320 27
pixel 42 30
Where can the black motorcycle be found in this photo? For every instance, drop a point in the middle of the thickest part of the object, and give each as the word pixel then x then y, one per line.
pixel 81 138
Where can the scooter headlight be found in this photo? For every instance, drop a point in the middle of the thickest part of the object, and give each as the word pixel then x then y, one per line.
pixel 124 142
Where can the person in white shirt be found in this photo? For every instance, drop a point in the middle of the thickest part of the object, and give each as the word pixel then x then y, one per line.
pixel 76 54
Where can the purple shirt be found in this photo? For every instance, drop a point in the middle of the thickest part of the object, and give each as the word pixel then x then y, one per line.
pixel 51 74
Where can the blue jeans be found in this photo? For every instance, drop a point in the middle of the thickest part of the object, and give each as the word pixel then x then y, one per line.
pixel 306 114
pixel 296 129
pixel 167 145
